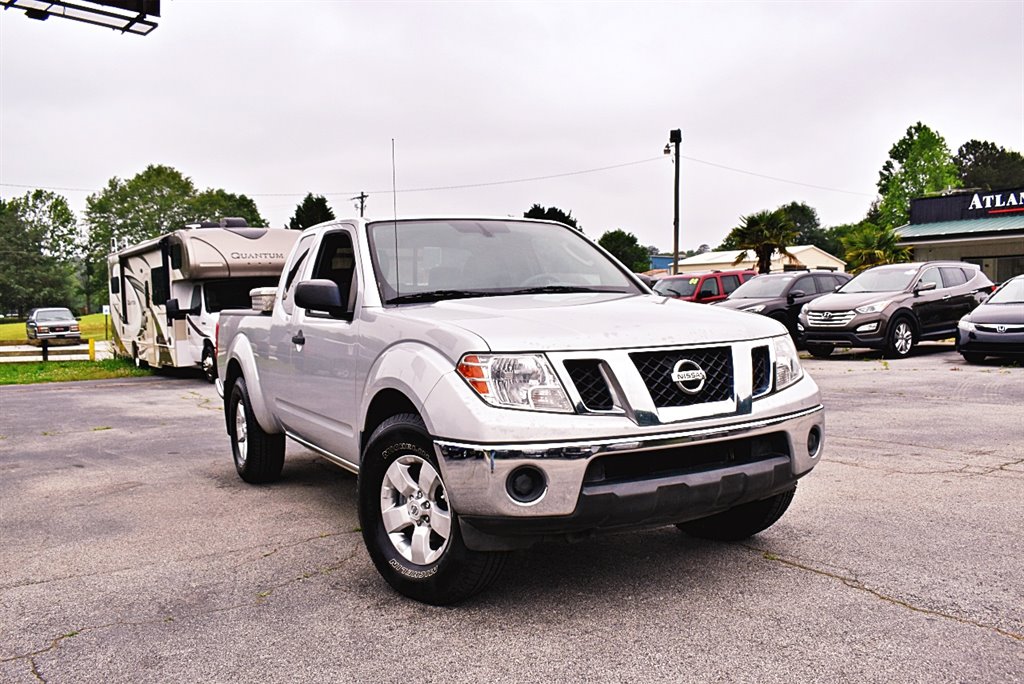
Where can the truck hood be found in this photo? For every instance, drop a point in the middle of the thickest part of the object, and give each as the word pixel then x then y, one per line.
pixel 579 322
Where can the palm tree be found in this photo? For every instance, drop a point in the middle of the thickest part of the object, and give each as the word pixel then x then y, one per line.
pixel 763 233
pixel 868 245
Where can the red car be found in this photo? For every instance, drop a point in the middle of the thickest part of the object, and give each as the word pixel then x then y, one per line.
pixel 706 287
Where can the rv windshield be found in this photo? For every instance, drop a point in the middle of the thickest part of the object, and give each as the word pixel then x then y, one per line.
pixel 451 259
pixel 232 294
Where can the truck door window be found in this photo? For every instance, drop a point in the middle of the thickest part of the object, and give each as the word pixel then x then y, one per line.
pixel 709 288
pixel 301 252
pixel 730 283
pixel 336 262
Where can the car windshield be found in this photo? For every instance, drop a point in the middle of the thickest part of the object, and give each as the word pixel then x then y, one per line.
pixel 762 287
pixel 53 315
pixel 881 280
pixel 232 294
pixel 676 287
pixel 452 259
pixel 1012 292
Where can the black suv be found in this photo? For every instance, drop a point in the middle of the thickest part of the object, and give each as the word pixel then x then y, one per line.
pixel 781 295
pixel 893 307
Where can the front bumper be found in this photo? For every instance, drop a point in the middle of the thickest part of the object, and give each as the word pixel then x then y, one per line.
pixel 1009 344
pixel 651 479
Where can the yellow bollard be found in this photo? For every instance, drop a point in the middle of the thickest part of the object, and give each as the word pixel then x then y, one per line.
pixel 92 349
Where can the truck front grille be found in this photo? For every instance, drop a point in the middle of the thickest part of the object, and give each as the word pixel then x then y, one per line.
pixel 656 369
pixel 593 389
pixel 829 319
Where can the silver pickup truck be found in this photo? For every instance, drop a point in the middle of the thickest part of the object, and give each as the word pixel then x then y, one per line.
pixel 494 382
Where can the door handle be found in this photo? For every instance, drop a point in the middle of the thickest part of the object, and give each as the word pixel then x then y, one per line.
pixel 298 339
pixel 947 297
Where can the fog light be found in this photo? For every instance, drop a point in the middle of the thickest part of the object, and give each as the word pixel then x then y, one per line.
pixel 814 441
pixel 868 327
pixel 526 484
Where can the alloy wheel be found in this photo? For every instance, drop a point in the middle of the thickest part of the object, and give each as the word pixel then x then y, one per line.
pixel 414 510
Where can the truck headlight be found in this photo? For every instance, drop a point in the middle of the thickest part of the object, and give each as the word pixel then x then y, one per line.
pixel 787 364
pixel 873 308
pixel 518 381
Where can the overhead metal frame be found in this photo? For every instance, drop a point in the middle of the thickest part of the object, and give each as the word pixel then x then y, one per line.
pixel 128 16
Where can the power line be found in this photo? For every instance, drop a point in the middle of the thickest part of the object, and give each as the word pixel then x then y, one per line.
pixel 511 181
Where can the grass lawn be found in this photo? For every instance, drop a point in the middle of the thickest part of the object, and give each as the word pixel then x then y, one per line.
pixel 36 371
pixel 91 326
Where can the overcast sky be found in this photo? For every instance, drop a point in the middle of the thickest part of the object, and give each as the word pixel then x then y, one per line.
pixel 275 99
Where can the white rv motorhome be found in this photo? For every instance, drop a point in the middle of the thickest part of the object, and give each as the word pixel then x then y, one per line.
pixel 166 294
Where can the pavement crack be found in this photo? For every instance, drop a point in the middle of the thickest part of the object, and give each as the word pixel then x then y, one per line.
pixel 854 583
pixel 35 670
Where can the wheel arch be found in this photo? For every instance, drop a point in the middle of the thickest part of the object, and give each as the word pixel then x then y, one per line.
pixel 241 364
pixel 386 403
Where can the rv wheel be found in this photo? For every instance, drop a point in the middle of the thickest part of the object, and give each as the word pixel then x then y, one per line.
pixel 209 364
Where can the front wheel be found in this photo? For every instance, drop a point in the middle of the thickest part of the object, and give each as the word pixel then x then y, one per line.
pixel 209 364
pixel 742 521
pixel 820 351
pixel 409 527
pixel 972 357
pixel 259 455
pixel 900 339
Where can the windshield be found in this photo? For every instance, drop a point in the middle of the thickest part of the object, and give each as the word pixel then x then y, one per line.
pixel 762 287
pixel 1012 292
pixel 881 280
pixel 676 287
pixel 232 294
pixel 449 259
pixel 54 315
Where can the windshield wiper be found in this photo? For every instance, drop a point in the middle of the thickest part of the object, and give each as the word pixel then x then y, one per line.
pixel 436 296
pixel 554 289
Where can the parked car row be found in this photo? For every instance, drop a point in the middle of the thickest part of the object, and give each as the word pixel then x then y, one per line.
pixel 890 307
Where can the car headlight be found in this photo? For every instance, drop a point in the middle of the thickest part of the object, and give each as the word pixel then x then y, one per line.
pixel 787 364
pixel 517 381
pixel 873 308
pixel 966 325
pixel 757 308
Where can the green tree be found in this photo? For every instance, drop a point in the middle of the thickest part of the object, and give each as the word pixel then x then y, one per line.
pixel 29 276
pixel 212 205
pixel 627 249
pixel 986 166
pixel 552 214
pixel 49 214
pixel 313 209
pixel 869 245
pixel 919 163
pixel 763 233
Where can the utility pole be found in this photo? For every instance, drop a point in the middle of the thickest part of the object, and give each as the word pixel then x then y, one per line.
pixel 675 136
pixel 362 196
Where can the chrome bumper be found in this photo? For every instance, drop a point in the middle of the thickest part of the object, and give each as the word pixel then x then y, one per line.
pixel 475 474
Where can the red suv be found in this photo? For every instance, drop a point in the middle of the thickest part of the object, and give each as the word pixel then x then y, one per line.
pixel 707 287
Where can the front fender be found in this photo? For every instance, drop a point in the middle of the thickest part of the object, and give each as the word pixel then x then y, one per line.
pixel 241 352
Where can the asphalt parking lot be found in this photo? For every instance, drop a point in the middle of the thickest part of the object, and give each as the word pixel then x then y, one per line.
pixel 131 552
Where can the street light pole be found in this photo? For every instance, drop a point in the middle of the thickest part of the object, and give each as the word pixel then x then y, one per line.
pixel 675 136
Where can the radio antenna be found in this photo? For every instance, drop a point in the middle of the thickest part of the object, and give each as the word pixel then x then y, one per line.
pixel 394 222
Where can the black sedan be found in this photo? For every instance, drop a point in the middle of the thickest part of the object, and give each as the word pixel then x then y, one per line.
pixel 996 328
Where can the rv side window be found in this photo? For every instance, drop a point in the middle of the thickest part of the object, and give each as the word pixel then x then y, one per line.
pixel 161 286
pixel 176 256
pixel 197 300
pixel 115 285
pixel 301 252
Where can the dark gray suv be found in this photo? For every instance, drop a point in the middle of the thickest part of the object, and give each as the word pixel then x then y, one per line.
pixel 781 295
pixel 893 307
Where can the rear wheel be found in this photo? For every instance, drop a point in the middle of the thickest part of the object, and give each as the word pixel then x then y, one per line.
pixel 820 351
pixel 410 529
pixel 900 338
pixel 741 522
pixel 259 455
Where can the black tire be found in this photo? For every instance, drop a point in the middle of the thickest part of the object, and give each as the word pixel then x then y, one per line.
pixel 209 364
pixel 972 357
pixel 258 455
pixel 451 572
pixel 900 338
pixel 741 522
pixel 820 351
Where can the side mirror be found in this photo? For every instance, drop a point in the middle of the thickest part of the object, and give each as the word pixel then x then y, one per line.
pixel 174 310
pixel 705 294
pixel 321 295
pixel 794 295
pixel 925 287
